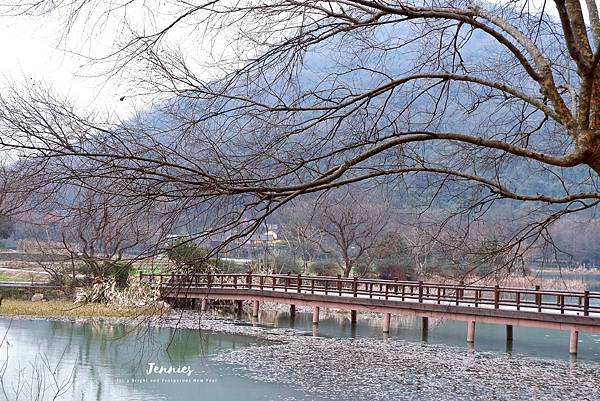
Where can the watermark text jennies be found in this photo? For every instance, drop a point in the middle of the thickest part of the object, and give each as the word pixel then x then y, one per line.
pixel 168 370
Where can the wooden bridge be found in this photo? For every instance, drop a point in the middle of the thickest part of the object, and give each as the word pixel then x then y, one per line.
pixel 533 307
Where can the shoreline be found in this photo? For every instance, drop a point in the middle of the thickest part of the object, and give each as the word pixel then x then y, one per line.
pixel 69 311
pixel 375 368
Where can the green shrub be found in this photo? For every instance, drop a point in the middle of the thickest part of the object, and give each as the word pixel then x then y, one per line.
pixel 326 269
pixel 285 263
pixel 121 271
pixel 187 254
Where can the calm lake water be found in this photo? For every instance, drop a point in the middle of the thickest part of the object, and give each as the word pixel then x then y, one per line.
pixel 531 342
pixel 105 362
pixel 109 362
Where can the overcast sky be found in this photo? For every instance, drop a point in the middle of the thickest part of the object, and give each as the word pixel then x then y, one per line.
pixel 32 50
pixel 35 49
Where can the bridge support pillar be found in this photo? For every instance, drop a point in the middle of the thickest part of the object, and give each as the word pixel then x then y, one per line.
pixel 509 347
pixel 255 308
pixel 424 328
pixel 573 342
pixel 315 319
pixel 386 322
pixel 204 305
pixel 353 317
pixel 239 306
pixel 509 332
pixel 471 331
pixel 292 310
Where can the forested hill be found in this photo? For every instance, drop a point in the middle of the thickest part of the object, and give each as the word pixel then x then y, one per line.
pixel 341 70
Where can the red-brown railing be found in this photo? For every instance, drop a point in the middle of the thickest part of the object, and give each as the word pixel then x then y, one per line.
pixel 533 299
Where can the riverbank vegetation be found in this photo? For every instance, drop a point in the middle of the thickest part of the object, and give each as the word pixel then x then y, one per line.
pixel 66 308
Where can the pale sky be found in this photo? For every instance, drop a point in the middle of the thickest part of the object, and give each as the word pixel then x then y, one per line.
pixel 32 49
pixel 35 49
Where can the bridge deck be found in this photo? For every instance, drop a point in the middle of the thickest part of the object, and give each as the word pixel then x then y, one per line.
pixel 567 310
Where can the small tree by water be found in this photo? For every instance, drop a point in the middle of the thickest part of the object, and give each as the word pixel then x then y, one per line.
pixel 186 254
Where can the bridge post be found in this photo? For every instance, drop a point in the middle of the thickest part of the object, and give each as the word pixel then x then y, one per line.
pixel 509 332
pixel 203 306
pixel 424 328
pixel 315 319
pixel 496 296
pixel 352 317
pixel 292 310
pixel 239 307
pixel 471 331
pixel 573 342
pixel 386 322
pixel 255 308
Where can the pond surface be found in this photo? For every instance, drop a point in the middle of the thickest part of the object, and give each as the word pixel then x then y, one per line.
pixel 105 362
pixel 528 342
pixel 334 361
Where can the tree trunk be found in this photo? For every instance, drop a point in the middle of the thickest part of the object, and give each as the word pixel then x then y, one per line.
pixel 347 270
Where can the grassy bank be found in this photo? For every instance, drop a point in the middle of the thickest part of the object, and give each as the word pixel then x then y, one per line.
pixel 19 276
pixel 57 308
pixel 530 281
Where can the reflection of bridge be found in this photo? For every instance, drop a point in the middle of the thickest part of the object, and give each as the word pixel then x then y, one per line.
pixel 552 309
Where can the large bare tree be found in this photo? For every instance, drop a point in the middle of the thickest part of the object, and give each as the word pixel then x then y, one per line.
pixel 460 103
pixel 90 232
pixel 349 228
pixel 101 235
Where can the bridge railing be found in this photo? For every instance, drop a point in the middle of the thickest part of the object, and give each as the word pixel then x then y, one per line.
pixel 536 299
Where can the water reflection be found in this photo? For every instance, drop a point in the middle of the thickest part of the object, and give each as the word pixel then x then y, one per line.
pixel 552 344
pixel 110 362
pixel 509 348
